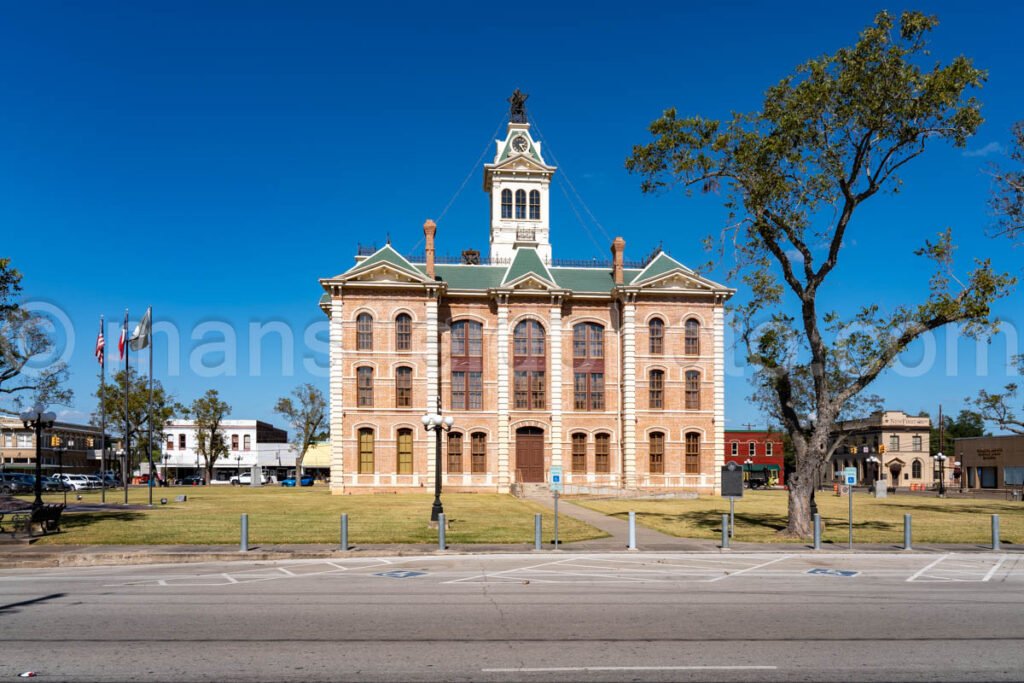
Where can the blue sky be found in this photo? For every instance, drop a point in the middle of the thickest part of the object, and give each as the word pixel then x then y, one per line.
pixel 215 159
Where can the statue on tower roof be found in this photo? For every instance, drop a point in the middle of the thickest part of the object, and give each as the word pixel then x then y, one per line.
pixel 517 107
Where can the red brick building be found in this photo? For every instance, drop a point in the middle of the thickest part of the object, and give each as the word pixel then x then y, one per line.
pixel 762 447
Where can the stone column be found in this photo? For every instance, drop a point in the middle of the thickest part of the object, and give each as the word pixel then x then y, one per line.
pixel 337 371
pixel 555 339
pixel 718 441
pixel 629 390
pixel 504 438
pixel 432 377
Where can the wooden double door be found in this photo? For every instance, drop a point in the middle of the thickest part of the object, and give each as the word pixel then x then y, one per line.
pixel 530 454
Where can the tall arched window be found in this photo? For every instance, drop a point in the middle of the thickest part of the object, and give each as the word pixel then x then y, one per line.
pixel 365 451
pixel 404 462
pixel 692 453
pixel 691 338
pixel 467 365
pixel 364 332
pixel 656 335
pixel 588 366
pixel 529 365
pixel 520 204
pixel 656 452
pixel 403 387
pixel 602 453
pixel 579 453
pixel 915 469
pixel 479 454
pixel 364 387
pixel 506 203
pixel 692 390
pixel 403 332
pixel 454 453
pixel 656 389
pixel 534 205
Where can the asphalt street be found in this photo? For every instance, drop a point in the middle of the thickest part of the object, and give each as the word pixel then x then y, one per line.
pixel 533 617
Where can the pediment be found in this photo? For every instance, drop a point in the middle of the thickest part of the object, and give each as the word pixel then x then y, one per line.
pixel 532 282
pixel 386 273
pixel 678 279
pixel 521 162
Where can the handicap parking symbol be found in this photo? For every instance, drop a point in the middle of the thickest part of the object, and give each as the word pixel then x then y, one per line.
pixel 823 571
pixel 401 574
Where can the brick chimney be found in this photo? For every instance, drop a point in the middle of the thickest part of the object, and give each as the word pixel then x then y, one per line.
pixel 618 250
pixel 429 230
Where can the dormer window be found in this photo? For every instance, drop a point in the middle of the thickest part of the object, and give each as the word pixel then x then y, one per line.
pixel 520 204
pixel 534 205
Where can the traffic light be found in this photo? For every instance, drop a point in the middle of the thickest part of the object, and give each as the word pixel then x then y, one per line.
pixel 853 450
pixel 54 441
pixel 881 448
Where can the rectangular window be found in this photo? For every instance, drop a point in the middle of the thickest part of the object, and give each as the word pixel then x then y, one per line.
pixel 24 441
pixel 692 390
pixel 365 451
pixel 476 391
pixel 455 453
pixel 657 453
pixel 579 453
pixel 181 441
pixel 467 390
pixel 656 390
pixel 751 449
pixel 894 442
pixel 234 442
pixel 479 453
pixel 735 448
pixel 364 332
pixel 692 453
pixel 580 391
pixel 403 387
pixel 768 448
pixel 602 449
pixel 364 384
pixel 529 389
pixel 537 391
pixel 246 442
pixel 597 391
pixel 917 442
pixel 458 390
pixel 170 442
pixel 405 451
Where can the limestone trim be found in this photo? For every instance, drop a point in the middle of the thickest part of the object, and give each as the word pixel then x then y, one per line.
pixel 433 359
pixel 504 465
pixel 555 335
pixel 718 322
pixel 337 359
pixel 629 390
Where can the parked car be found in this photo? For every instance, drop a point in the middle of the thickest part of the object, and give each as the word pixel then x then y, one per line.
pixel 245 479
pixel 191 480
pixel 110 480
pixel 57 483
pixel 11 482
pixel 79 482
pixel 48 484
pixel 307 480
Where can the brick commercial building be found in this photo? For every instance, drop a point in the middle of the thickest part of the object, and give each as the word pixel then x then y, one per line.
pixel 762 447
pixel 75 448
pixel 991 461
pixel 613 371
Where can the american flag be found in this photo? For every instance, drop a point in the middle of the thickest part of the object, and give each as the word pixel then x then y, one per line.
pixel 100 344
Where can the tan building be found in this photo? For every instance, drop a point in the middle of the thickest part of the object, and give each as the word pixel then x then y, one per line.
pixel 613 371
pixel 992 461
pixel 899 441
pixel 78 447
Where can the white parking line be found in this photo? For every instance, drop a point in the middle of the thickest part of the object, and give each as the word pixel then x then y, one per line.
pixel 562 669
pixel 991 572
pixel 926 568
pixel 750 569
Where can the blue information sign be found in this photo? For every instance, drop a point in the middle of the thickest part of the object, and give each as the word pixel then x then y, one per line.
pixel 556 478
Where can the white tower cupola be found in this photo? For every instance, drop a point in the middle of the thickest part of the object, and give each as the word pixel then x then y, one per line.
pixel 518 181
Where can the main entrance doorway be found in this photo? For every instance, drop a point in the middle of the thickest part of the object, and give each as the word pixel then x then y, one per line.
pixel 530 455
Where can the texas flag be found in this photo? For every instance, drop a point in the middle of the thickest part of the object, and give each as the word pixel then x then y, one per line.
pixel 123 341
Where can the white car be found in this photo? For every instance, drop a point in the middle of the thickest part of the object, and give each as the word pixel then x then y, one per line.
pixel 79 482
pixel 246 479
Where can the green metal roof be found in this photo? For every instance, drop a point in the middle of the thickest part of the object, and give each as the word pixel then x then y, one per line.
pixel 527 261
pixel 385 254
pixel 662 263
pixel 469 277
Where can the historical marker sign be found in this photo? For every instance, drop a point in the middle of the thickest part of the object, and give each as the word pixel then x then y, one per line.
pixel 732 481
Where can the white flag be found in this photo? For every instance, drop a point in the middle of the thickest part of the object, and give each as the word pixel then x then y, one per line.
pixel 143 331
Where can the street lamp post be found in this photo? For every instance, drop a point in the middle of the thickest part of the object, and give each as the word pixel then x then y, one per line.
pixel 875 468
pixel 122 455
pixel 941 459
pixel 238 468
pixel 434 422
pixel 38 420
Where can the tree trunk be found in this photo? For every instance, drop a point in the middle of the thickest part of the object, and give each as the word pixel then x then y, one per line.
pixel 801 492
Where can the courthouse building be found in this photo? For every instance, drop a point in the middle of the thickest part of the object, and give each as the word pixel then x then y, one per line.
pixel 613 371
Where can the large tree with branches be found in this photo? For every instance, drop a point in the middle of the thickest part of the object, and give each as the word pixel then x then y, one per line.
pixel 1008 189
pixel 306 412
pixel 999 407
pixel 827 140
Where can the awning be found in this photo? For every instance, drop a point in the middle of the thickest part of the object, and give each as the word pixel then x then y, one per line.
pixel 318 455
pixel 762 468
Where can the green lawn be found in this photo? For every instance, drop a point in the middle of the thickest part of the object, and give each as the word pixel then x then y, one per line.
pixel 307 515
pixel 761 514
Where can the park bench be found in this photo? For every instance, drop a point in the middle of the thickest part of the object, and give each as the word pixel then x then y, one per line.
pixel 45 517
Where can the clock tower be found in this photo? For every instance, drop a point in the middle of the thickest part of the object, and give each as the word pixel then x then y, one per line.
pixel 518 181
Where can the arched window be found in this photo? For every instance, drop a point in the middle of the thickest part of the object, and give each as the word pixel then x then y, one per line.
pixel 656 452
pixel 404 463
pixel 656 335
pixel 364 332
pixel 602 453
pixel 692 453
pixel 467 365
pixel 403 387
pixel 691 338
pixel 692 390
pixel 506 203
pixel 454 453
pixel 529 365
pixel 520 204
pixel 534 205
pixel 403 332
pixel 915 469
pixel 656 389
pixel 364 387
pixel 579 453
pixel 479 446
pixel 588 366
pixel 365 451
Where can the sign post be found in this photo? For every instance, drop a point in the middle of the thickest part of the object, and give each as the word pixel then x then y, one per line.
pixel 732 487
pixel 556 488
pixel 850 477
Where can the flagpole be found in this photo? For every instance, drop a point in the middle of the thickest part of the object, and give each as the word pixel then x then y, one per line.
pixel 103 417
pixel 149 314
pixel 127 426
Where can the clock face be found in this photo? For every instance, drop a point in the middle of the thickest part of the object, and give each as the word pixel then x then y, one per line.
pixel 520 144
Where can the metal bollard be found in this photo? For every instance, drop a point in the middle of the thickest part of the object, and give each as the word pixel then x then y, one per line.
pixel 344 531
pixel 632 531
pixel 441 545
pixel 995 532
pixel 244 546
pixel 537 537
pixel 725 531
pixel 817 531
pixel 906 532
